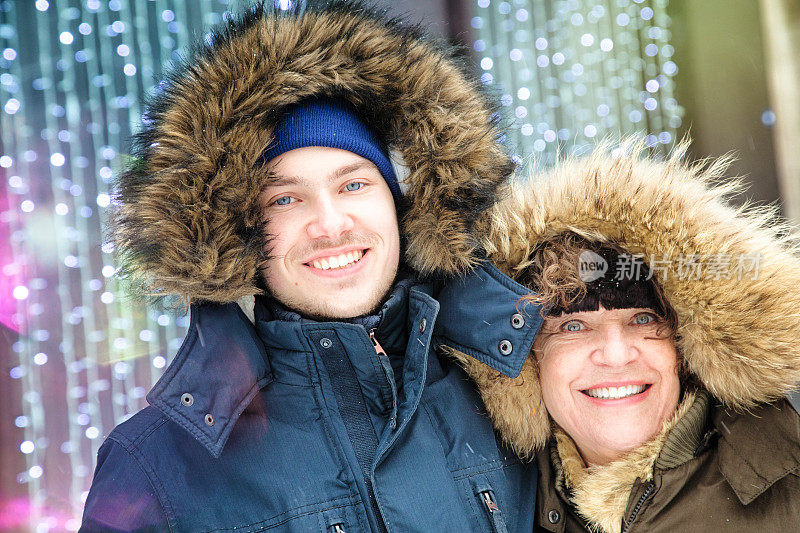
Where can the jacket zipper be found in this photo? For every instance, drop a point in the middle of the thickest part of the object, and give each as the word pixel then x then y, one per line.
pixel 384 361
pixel 495 516
pixel 355 419
pixel 647 492
pixel 376 508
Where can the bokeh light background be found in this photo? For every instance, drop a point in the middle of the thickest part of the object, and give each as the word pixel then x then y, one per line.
pixel 575 71
pixel 79 356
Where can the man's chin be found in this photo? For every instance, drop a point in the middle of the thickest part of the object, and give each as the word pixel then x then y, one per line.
pixel 343 303
pixel 337 307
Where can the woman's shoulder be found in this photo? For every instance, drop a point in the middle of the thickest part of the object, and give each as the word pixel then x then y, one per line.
pixel 759 448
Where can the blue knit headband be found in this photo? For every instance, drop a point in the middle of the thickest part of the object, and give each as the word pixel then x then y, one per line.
pixel 333 124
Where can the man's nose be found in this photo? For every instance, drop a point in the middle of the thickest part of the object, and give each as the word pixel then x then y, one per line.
pixel 615 348
pixel 329 220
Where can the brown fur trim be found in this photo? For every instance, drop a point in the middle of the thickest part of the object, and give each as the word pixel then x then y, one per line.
pixel 188 222
pixel 601 493
pixel 738 337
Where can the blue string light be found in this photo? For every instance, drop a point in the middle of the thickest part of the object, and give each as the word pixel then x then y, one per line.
pixel 66 115
pixel 572 72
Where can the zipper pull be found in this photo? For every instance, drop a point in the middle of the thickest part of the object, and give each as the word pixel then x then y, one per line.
pixel 495 516
pixel 489 502
pixel 375 344
pixel 338 528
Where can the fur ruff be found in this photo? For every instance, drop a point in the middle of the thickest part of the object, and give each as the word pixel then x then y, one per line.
pixel 737 336
pixel 601 493
pixel 187 221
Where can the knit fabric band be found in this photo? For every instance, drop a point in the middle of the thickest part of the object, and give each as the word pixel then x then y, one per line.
pixel 334 124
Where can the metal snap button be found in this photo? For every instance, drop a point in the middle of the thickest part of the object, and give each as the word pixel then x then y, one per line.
pixel 187 399
pixel 325 342
pixel 517 321
pixel 505 347
pixel 554 516
pixel 209 420
pixel 422 325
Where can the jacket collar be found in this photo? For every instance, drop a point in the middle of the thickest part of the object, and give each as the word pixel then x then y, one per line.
pixel 690 436
pixel 288 338
pixel 743 441
pixel 389 322
pixel 224 362
pixel 480 316
pixel 215 375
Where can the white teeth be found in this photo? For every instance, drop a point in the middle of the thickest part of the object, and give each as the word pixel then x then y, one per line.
pixel 615 393
pixel 337 261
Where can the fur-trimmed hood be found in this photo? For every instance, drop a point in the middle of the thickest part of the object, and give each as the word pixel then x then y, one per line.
pixel 738 335
pixel 187 221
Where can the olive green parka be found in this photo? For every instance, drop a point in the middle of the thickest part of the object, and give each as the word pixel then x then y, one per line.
pixel 729 459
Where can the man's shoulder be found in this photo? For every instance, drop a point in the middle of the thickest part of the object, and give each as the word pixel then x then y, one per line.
pixel 126 493
pixel 139 428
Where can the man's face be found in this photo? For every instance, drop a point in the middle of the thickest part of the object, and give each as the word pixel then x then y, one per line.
pixel 608 378
pixel 335 244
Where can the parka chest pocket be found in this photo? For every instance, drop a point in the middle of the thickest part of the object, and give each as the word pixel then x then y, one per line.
pixel 487 499
pixel 471 449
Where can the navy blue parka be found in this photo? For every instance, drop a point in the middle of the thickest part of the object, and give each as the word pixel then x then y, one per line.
pixel 263 422
pixel 298 425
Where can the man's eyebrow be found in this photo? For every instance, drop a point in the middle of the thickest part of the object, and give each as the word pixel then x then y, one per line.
pixel 281 180
pixel 342 171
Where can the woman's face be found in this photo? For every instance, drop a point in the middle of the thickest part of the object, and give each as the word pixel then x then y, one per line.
pixel 608 378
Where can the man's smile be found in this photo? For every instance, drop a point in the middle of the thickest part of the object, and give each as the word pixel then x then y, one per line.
pixel 338 261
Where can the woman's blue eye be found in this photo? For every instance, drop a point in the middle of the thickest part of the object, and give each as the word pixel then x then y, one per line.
pixel 572 326
pixel 284 200
pixel 643 318
pixel 354 186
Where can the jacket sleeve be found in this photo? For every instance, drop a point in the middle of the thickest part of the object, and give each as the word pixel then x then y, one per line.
pixel 122 496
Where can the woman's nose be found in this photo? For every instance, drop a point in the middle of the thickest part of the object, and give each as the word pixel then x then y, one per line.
pixel 615 348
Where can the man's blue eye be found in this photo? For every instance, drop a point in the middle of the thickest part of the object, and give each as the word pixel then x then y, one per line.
pixel 572 326
pixel 643 318
pixel 354 186
pixel 284 200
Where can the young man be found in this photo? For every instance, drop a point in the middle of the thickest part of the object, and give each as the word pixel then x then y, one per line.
pixel 319 402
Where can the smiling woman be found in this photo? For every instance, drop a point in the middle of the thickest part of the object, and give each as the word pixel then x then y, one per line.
pixel 608 364
pixel 654 396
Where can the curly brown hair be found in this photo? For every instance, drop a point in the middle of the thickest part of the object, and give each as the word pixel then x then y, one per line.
pixel 555 277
